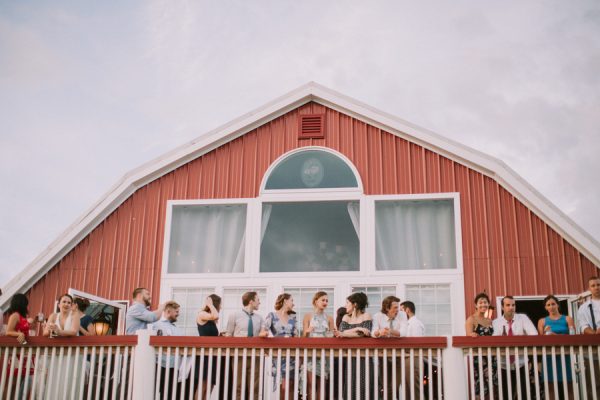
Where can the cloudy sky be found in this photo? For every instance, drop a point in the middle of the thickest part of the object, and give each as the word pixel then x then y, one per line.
pixel 90 90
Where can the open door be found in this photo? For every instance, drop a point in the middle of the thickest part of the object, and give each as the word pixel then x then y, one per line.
pixel 110 312
pixel 574 304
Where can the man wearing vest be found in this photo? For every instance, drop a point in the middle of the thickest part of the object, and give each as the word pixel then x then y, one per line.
pixel 588 320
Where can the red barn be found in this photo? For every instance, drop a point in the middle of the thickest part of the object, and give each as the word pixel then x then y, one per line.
pixel 318 191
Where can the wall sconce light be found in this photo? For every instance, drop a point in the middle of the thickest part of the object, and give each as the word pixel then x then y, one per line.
pixel 102 324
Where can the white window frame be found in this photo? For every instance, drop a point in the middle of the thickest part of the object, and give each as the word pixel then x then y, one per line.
pixel 371 221
pixel 341 281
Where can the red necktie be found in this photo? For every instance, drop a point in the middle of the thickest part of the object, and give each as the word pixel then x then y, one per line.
pixel 510 333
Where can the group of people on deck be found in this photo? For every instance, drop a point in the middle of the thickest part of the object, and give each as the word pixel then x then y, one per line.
pixel 395 319
pixel 512 324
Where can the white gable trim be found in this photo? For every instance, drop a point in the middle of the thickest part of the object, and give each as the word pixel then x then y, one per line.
pixel 160 166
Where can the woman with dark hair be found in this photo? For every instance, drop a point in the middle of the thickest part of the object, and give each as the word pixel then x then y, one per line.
pixel 62 323
pixel 206 322
pixel 18 326
pixel 479 325
pixel 86 322
pixel 356 323
pixel 282 323
pixel 556 324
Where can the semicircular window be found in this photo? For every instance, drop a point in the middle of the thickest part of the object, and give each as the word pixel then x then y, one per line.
pixel 312 169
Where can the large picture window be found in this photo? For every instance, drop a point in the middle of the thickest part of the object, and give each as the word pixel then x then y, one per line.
pixel 207 238
pixel 415 234
pixel 310 236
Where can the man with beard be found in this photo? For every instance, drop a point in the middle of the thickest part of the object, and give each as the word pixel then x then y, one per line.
pixel 138 315
pixel 168 363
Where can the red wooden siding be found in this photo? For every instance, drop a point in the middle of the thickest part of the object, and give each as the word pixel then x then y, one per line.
pixel 506 248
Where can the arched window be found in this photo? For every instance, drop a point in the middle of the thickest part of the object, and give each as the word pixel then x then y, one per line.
pixel 311 169
pixel 317 231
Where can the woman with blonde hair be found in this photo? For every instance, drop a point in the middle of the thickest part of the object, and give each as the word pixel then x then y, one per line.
pixel 317 324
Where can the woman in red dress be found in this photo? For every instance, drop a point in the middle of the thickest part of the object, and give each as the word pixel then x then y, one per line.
pixel 18 327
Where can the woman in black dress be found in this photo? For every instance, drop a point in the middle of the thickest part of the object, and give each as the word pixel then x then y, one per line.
pixel 356 324
pixel 206 322
pixel 480 325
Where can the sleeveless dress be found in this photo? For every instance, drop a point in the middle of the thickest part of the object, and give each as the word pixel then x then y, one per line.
pixel 208 329
pixel 481 330
pixel 350 386
pixel 23 327
pixel 63 380
pixel 320 325
pixel 559 327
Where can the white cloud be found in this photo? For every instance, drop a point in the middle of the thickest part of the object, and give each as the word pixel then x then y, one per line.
pixel 88 92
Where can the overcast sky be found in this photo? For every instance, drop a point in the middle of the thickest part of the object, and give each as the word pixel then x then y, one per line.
pixel 90 90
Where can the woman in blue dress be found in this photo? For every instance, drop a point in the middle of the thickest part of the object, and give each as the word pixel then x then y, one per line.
pixel 556 324
pixel 282 323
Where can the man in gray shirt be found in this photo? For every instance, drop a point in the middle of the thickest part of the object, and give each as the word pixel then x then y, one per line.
pixel 247 323
pixel 138 315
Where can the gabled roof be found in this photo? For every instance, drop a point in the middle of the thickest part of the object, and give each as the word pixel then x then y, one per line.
pixel 139 177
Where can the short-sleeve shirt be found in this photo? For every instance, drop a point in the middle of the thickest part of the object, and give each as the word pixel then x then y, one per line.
pixel 238 322
pixel 138 317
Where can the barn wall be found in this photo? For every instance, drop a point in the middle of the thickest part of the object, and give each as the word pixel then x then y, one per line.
pixel 506 248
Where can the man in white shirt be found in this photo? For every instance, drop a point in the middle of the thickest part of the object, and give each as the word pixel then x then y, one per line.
pixel 390 321
pixel 387 323
pixel 588 320
pixel 588 315
pixel 512 324
pixel 415 328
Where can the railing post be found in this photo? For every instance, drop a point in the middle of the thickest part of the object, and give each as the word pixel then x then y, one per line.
pixel 143 367
pixel 454 375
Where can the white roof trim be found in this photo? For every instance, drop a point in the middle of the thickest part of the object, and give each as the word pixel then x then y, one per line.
pixel 160 166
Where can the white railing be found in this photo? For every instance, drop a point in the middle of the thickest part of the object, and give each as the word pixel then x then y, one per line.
pixel 67 368
pixel 125 367
pixel 534 367
pixel 248 368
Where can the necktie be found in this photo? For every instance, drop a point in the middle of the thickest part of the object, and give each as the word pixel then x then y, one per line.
pixel 250 326
pixel 390 321
pixel 510 333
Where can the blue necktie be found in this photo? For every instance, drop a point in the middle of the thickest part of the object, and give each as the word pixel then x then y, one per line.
pixel 250 326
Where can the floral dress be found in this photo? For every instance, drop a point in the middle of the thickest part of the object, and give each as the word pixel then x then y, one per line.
pixel 279 329
pixel 320 325
pixel 484 331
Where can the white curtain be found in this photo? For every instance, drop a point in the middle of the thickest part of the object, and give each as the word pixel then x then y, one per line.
pixel 354 212
pixel 266 215
pixel 415 234
pixel 207 239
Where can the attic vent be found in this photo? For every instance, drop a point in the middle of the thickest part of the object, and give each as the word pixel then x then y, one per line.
pixel 312 126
